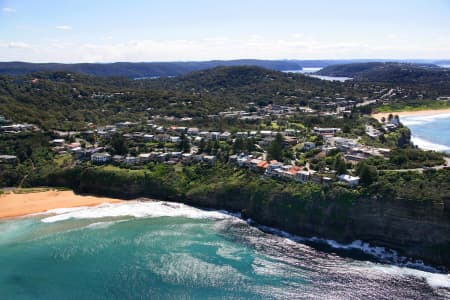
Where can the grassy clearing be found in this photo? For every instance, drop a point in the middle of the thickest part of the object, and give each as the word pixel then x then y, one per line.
pixel 32 190
pixel 398 107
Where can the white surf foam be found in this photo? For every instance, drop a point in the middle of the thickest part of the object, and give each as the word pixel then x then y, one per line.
pixel 434 280
pixel 133 209
pixel 100 225
pixel 422 119
pixel 380 253
pixel 427 145
pixel 398 265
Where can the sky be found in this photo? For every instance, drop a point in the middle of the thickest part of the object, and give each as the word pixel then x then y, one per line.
pixel 73 31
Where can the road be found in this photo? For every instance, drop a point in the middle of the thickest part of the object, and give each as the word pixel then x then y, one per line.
pixel 420 170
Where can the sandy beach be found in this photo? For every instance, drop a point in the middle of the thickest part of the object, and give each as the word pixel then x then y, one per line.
pixel 428 112
pixel 21 204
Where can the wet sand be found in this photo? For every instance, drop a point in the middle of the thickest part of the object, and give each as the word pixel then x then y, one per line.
pixel 22 204
pixel 428 112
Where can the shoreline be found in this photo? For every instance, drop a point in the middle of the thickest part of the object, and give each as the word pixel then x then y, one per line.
pixel 54 199
pixel 380 254
pixel 427 112
pixel 23 204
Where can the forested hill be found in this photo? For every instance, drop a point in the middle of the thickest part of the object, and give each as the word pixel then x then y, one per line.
pixel 141 69
pixel 69 100
pixel 221 78
pixel 61 100
pixel 240 85
pixel 405 73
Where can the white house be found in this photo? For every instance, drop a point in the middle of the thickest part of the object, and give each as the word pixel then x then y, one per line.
pixel 193 131
pixel 9 159
pixel 326 131
pixel 349 180
pixel 100 158
pixel 130 160
pixel 144 157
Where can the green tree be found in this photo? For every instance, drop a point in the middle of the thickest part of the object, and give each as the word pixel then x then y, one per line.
pixel 185 144
pixel 390 117
pixel 339 165
pixel 238 145
pixel 275 150
pixel 367 173
pixel 251 144
pixel 119 144
pixel 201 146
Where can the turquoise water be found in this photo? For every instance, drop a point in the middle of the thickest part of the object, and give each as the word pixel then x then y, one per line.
pixel 430 132
pixel 171 251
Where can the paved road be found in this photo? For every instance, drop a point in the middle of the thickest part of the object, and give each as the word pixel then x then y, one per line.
pixel 420 170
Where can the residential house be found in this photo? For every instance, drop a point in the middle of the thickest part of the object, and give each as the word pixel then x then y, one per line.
pixel 266 133
pixel 58 142
pixel 8 159
pixel 176 154
pixel 290 132
pixel 100 158
pixel 117 159
pixel 162 138
pixel 272 167
pixel 326 131
pixel 308 146
pixel 148 137
pixel 343 144
pixel 241 134
pixel 224 136
pixel 210 159
pixel 193 131
pixel 175 139
pixel 349 180
pixel 130 160
pixel 302 176
pixel 187 157
pixel 144 158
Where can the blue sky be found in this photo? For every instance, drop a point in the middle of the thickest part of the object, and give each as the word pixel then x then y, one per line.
pixel 175 30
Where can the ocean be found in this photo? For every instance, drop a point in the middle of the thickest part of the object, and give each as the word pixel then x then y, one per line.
pixel 429 132
pixel 161 250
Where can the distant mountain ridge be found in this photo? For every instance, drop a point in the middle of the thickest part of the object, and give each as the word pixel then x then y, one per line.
pixel 166 69
pixel 139 69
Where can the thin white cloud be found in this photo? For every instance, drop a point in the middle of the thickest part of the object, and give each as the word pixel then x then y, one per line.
pixel 18 45
pixel 220 48
pixel 8 10
pixel 64 27
pixel 297 35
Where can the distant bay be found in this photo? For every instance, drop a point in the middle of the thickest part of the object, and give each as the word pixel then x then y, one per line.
pixel 310 72
pixel 429 131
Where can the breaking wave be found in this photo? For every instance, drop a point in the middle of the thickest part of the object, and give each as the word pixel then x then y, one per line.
pixel 135 209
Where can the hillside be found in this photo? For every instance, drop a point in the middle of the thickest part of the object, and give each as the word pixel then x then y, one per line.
pixel 62 100
pixel 139 70
pixel 404 73
pixel 237 86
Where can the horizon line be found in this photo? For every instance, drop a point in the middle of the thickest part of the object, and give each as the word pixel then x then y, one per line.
pixel 236 59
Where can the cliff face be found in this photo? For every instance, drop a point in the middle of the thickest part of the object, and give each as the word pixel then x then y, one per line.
pixel 417 229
